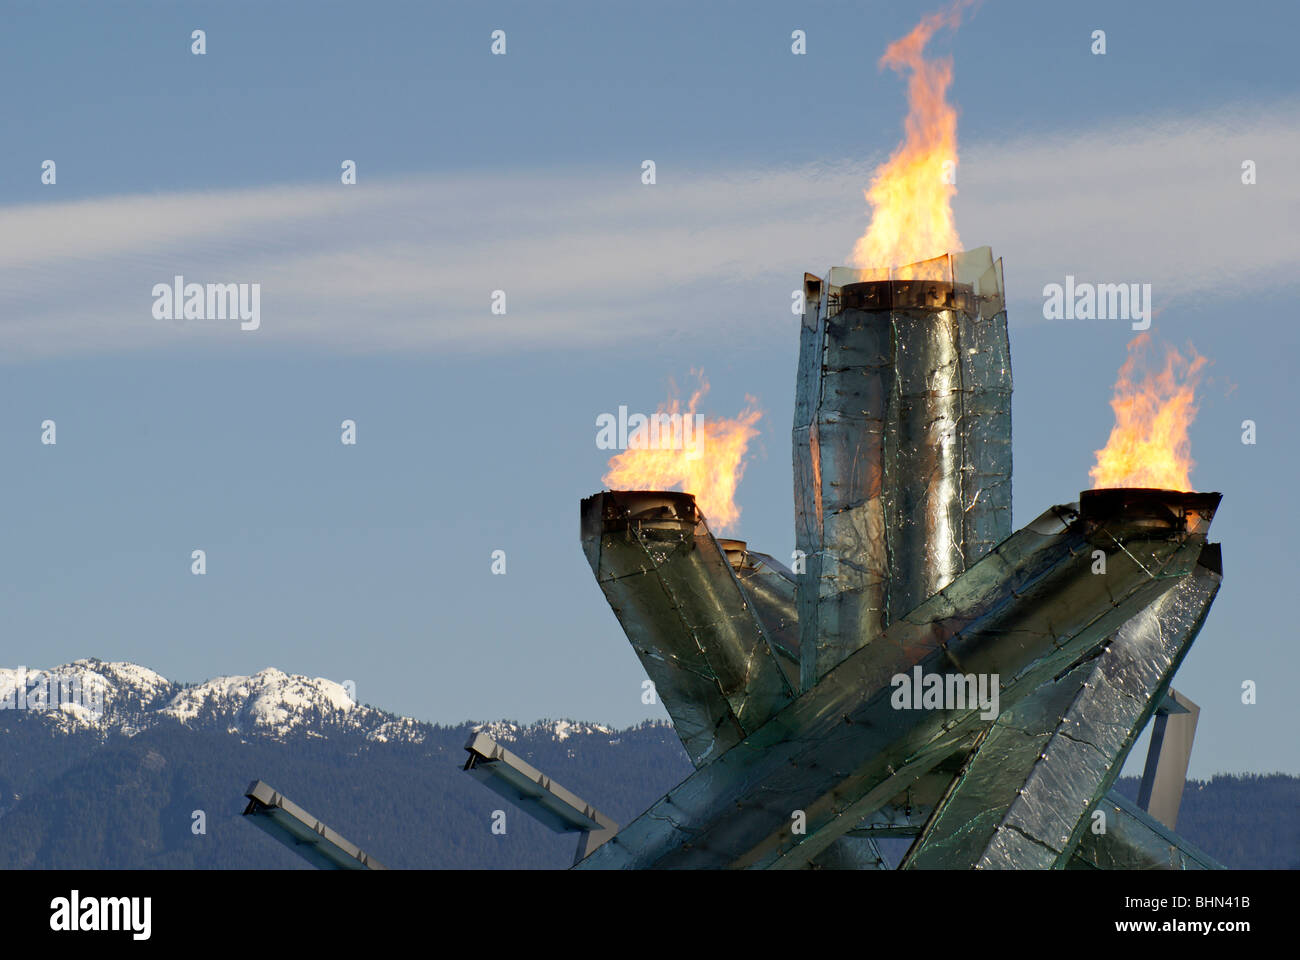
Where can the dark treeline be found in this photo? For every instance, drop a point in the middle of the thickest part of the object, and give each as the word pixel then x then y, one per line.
pixel 74 800
pixel 1248 821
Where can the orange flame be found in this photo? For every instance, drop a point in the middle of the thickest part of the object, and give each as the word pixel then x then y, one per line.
pixel 911 193
pixel 709 465
pixel 1149 446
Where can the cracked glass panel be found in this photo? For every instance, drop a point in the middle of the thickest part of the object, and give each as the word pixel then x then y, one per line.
pixel 902 444
pixel 1027 611
pixel 695 632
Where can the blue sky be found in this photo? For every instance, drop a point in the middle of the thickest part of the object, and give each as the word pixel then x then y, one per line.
pixel 477 432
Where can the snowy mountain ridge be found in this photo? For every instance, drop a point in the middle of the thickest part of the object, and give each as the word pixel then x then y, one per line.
pixel 118 697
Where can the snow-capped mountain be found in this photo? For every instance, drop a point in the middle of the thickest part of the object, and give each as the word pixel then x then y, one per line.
pixel 278 704
pixel 125 698
pixel 505 730
pixel 114 697
pixel 85 693
pixel 112 780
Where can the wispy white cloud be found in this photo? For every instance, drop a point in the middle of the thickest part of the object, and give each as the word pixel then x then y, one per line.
pixel 597 257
